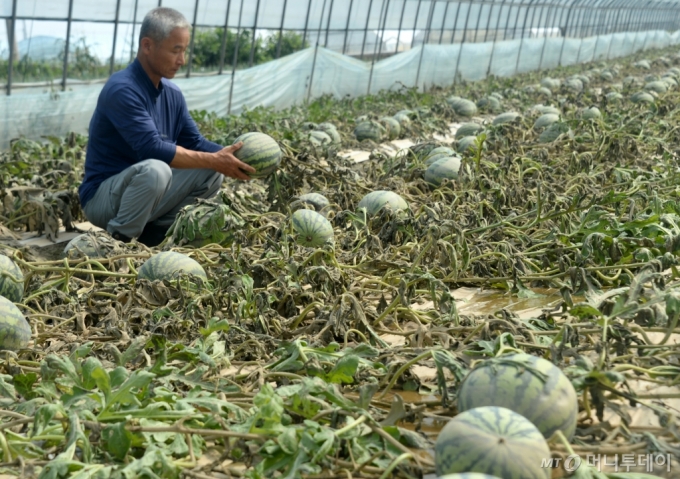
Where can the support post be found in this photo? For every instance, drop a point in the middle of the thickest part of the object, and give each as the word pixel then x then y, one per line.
pixel 115 36
pixel 383 21
pixel 237 46
pixel 425 38
pixel 251 58
pixel 495 37
pixel 368 19
pixel 67 46
pixel 223 46
pixel 349 17
pixel 191 43
pixel 316 51
pixel 132 36
pixel 401 22
pixel 280 39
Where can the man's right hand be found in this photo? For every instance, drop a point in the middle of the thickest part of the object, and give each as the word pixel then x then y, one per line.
pixel 227 164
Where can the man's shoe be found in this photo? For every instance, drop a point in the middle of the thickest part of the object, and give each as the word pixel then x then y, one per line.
pixel 121 237
pixel 153 235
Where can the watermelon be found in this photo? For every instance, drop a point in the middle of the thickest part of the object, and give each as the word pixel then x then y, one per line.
pixel 442 169
pixel 438 153
pixel 422 150
pixel 656 86
pixel 468 129
pixel 312 228
pixel 168 264
pixel 591 113
pixel 403 119
pixel 545 91
pixel 316 200
pixel 369 130
pixel 546 120
pixel 85 245
pixel 462 106
pixel 466 143
pixel 331 131
pixel 468 475
pixel 574 84
pixel 553 132
pixel 550 83
pixel 642 97
pixel 320 139
pixel 543 109
pixel 15 332
pixel 492 440
pixel 392 126
pixel 10 289
pixel 606 76
pixel 644 64
pixel 614 96
pixel 491 102
pixel 530 386
pixel 507 117
pixel 376 200
pixel 261 152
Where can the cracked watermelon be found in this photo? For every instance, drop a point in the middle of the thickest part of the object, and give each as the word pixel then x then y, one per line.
pixel 15 332
pixel 530 386
pixel 10 289
pixel 492 440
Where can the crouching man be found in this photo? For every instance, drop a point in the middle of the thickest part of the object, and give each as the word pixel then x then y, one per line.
pixel 145 157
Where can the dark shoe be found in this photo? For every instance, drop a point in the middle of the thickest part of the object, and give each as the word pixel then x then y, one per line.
pixel 121 237
pixel 153 235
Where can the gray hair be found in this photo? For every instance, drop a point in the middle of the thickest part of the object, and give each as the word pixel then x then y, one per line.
pixel 160 22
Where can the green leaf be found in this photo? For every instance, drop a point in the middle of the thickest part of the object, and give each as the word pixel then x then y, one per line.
pixel 125 395
pixel 344 370
pixel 117 440
pixel 214 324
pixel 288 441
pixel 7 389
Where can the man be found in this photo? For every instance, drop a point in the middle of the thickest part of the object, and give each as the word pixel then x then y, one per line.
pixel 145 156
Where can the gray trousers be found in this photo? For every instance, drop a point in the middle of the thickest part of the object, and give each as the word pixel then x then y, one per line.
pixel 148 192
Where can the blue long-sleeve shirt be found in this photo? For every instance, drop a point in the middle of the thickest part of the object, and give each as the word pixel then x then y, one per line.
pixel 135 121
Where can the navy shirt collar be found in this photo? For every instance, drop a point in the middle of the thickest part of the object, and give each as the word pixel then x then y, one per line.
pixel 144 80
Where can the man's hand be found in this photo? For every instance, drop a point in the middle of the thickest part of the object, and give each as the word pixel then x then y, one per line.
pixel 227 164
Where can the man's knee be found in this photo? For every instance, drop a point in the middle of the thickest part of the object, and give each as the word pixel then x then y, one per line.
pixel 157 175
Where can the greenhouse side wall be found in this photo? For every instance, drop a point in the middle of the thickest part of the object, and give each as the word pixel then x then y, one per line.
pixel 313 72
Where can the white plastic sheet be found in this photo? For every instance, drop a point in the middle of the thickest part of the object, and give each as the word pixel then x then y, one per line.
pixel 289 80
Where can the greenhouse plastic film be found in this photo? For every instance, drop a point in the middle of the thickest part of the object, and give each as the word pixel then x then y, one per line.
pixel 286 82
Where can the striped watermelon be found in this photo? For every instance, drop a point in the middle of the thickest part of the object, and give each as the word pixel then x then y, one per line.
pixel 492 440
pixel 403 119
pixel 331 131
pixel 10 289
pixel 468 475
pixel 392 126
pixel 261 152
pixel 374 202
pixel 466 143
pixel 312 228
pixel 468 129
pixel 553 132
pixel 84 245
pixel 591 113
pixel 318 201
pixel 422 150
pixel 369 130
pixel 507 117
pixel 320 139
pixel 168 264
pixel 546 120
pixel 15 332
pixel 442 169
pixel 530 386
pixel 439 153
pixel 642 97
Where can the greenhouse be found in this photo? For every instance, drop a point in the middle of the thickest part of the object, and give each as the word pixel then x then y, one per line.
pixel 319 239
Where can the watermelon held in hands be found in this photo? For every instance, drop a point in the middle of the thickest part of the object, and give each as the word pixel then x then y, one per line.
pixel 376 200
pixel 312 228
pixel 261 152
pixel 494 441
pixel 9 272
pixel 168 265
pixel 526 384
pixel 15 332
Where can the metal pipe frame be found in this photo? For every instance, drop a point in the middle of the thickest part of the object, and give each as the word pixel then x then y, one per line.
pixel 415 22
pixel 401 23
pixel 455 23
pixel 316 51
pixel 223 46
pixel 349 16
pixel 488 22
pixel 495 37
pixel 251 58
pixel 422 51
pixel 446 12
pixel 309 11
pixel 521 42
pixel 237 46
pixel 67 47
pixel 479 17
pixel 12 36
pixel 134 24
pixel 191 42
pixel 115 36
pixel 368 19
pixel 383 18
pixel 328 25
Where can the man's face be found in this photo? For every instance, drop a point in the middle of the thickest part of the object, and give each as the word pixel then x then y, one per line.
pixel 167 57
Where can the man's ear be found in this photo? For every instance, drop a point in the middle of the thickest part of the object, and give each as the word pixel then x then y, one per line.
pixel 145 45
